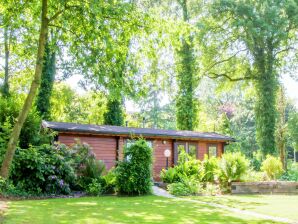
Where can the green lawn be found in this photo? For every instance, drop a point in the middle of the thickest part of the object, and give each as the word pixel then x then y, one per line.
pixel 285 206
pixel 109 209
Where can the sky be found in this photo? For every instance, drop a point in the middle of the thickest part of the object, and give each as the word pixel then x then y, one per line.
pixel 290 84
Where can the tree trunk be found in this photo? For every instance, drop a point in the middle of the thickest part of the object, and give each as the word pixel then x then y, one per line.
pixel 185 105
pixel 5 90
pixel 32 92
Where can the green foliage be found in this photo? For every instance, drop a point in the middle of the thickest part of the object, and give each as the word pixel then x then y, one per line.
pixel 256 160
pixel 46 85
pixel 114 113
pixel 210 169
pixel 252 47
pixel 89 170
pixel 254 176
pixel 170 175
pixel 292 173
pixel 43 170
pixel 133 175
pixel 178 189
pixel 272 167
pixel 233 167
pixel 30 133
pixel 187 167
pixel 212 189
pixel 109 182
pixel 293 129
pixel 94 188
pixel 87 167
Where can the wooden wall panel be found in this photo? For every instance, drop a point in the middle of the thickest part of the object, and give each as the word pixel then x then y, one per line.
pixel 104 148
pixel 202 150
pixel 159 160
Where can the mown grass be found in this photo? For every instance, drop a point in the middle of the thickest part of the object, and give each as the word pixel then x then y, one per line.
pixel 111 209
pixel 285 206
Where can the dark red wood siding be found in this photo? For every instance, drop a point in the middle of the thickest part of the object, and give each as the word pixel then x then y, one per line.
pixel 103 147
pixel 159 160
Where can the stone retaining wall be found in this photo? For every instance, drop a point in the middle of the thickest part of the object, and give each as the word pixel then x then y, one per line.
pixel 266 187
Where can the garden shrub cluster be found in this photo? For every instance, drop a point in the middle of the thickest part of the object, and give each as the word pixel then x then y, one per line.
pixel 54 170
pixel 213 175
pixel 191 176
pixel 133 174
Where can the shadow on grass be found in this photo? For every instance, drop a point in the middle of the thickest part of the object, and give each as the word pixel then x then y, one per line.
pixel 146 209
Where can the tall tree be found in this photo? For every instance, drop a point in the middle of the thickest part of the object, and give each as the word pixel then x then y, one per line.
pixel 185 103
pixel 281 128
pixel 114 114
pixel 30 97
pixel 47 81
pixel 248 40
pixel 5 88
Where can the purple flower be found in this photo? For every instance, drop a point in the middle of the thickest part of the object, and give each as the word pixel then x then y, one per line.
pixel 52 177
pixel 61 183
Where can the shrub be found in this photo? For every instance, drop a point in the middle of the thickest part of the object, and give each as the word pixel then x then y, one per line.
pixel 212 189
pixel 187 167
pixel 292 172
pixel 253 176
pixel 169 176
pixel 109 182
pixel 256 160
pixel 272 167
pixel 178 189
pixel 94 188
pixel 210 169
pixel 87 167
pixel 43 170
pixel 133 175
pixel 233 167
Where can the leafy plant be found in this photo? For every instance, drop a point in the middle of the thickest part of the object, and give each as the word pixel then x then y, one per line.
pixel 272 167
pixel 212 189
pixel 210 169
pixel 169 176
pixel 133 175
pixel 45 169
pixel 232 166
pixel 94 188
pixel 109 182
pixel 178 189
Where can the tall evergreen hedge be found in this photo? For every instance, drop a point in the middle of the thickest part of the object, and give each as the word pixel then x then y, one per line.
pixel 133 174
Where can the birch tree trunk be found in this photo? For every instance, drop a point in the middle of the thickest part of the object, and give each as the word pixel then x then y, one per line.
pixel 30 97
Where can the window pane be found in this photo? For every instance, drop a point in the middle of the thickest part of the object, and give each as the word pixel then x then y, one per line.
pixel 192 151
pixel 181 148
pixel 212 151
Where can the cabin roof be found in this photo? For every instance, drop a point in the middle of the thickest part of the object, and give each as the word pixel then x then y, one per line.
pixel 145 132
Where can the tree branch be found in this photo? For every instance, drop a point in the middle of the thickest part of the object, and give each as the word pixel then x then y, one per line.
pixel 215 76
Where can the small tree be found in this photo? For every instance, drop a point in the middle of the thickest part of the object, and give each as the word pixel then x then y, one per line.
pixel 133 175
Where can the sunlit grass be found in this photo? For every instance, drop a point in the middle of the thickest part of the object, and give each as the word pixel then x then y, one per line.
pixel 146 209
pixel 285 206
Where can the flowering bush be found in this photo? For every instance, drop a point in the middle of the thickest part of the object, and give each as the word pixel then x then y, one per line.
pixel 44 170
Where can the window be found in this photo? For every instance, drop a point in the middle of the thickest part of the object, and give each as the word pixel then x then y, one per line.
pixel 181 147
pixel 189 147
pixel 192 151
pixel 129 142
pixel 212 151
